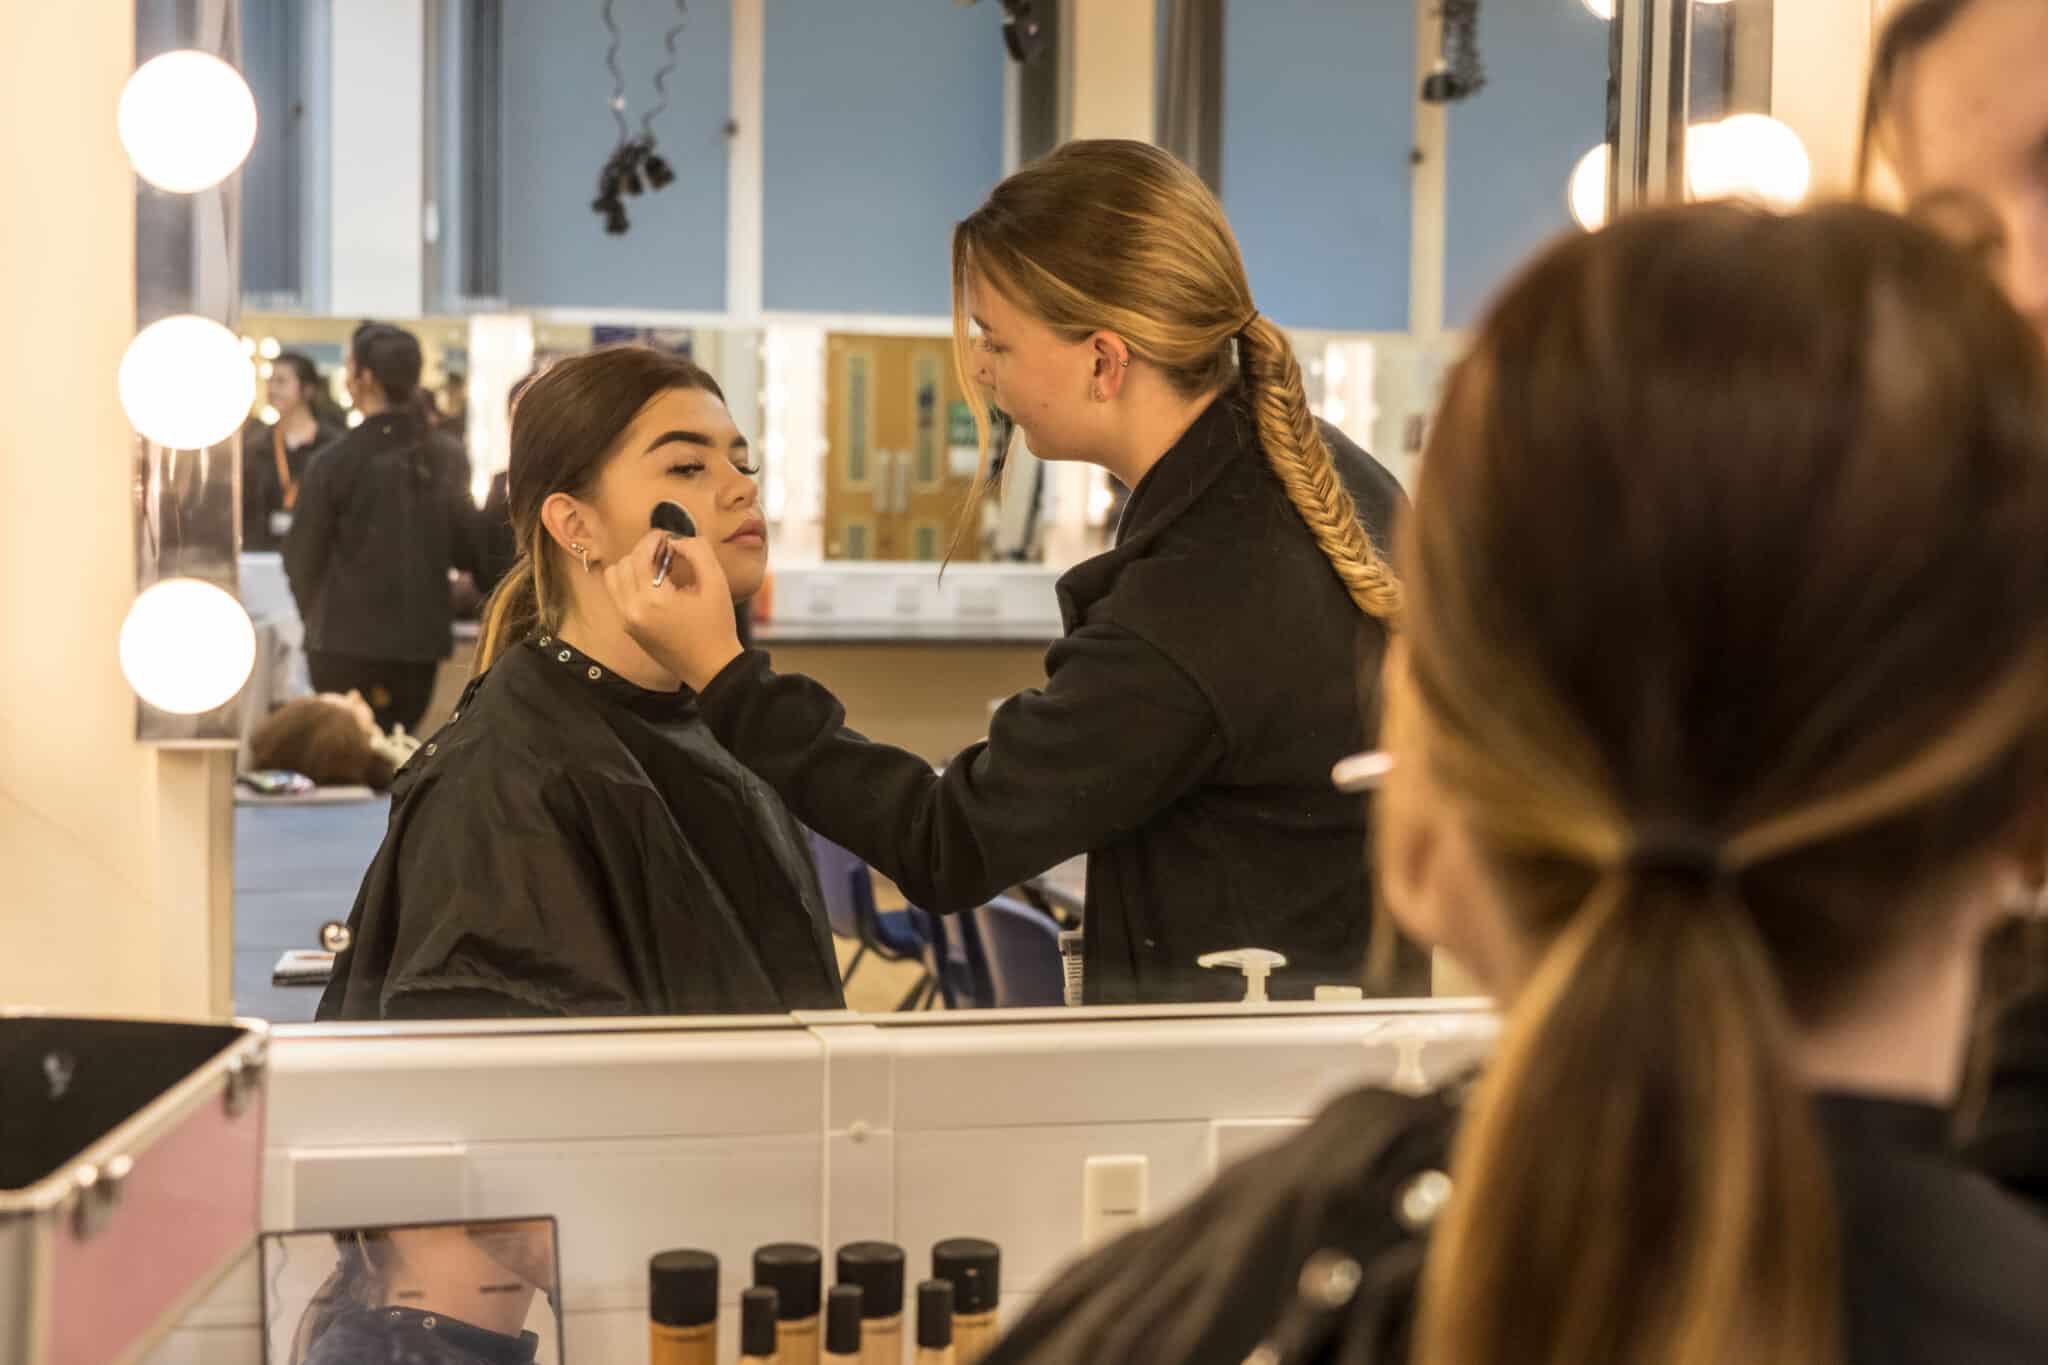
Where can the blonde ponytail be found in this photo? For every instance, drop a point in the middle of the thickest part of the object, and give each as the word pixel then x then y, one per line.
pixel 1687 1217
pixel 1301 459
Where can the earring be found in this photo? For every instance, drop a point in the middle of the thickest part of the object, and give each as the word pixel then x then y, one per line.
pixel 578 549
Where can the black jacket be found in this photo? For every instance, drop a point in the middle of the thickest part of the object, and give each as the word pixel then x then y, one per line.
pixel 2010 1141
pixel 262 494
pixel 378 526
pixel 1301 1248
pixel 571 844
pixel 1212 672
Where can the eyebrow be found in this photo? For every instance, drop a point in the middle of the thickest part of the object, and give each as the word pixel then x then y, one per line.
pixel 979 323
pixel 692 438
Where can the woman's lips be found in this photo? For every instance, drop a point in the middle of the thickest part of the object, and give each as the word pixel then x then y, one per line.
pixel 753 533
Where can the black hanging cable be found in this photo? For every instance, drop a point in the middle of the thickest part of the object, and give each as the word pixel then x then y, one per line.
pixel 633 166
pixel 661 76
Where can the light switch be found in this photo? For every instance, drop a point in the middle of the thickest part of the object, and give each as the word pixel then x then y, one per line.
pixel 1114 1192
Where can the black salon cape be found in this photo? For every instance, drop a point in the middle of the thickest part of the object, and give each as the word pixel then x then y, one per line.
pixel 1212 671
pixel 1939 1266
pixel 571 844
pixel 404 1336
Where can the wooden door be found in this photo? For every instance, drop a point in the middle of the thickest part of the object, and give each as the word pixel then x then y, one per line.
pixel 897 471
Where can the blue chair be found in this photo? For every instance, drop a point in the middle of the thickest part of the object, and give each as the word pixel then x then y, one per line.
pixel 955 961
pixel 892 935
pixel 1019 948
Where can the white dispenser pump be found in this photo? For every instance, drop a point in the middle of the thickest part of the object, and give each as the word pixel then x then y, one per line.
pixel 1256 963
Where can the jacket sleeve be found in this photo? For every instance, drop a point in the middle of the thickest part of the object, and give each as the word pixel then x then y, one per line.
pixel 1118 734
pixel 310 544
pixel 2011 1141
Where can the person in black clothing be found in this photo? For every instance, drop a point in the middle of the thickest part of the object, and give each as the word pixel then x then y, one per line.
pixel 275 454
pixel 1956 119
pixel 454 1294
pixel 575 841
pixel 1207 680
pixel 377 529
pixel 1719 747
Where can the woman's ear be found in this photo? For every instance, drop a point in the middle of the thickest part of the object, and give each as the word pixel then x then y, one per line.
pixel 568 523
pixel 1112 364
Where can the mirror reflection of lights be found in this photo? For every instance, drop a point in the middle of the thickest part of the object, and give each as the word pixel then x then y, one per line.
pixel 355 418
pixel 187 646
pixel 266 369
pixel 1748 156
pixel 249 347
pixel 185 383
pixel 187 121
pixel 270 348
pixel 269 414
pixel 1587 190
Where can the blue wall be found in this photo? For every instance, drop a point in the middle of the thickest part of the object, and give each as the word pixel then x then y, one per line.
pixel 1513 146
pixel 1317 126
pixel 558 130
pixel 884 126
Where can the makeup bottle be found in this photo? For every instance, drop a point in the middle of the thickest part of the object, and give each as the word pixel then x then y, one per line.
pixel 758 1311
pixel 842 1325
pixel 935 1323
pixel 682 1308
pixel 877 1267
pixel 974 1268
pixel 797 1275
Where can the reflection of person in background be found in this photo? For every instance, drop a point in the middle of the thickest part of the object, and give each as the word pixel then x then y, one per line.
pixel 575 842
pixel 452 415
pixel 455 1295
pixel 1958 115
pixel 376 531
pixel 275 455
pixel 332 738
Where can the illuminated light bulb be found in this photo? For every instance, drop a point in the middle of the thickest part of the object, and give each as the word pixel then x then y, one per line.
pixel 187 646
pixel 1586 193
pixel 270 348
pixel 249 347
pixel 187 120
pixel 1748 156
pixel 185 383
pixel 1599 9
pixel 266 369
pixel 269 414
pixel 355 417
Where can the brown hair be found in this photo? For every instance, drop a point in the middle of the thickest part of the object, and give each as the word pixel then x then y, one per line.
pixel 1911 27
pixel 1727 548
pixel 566 425
pixel 1121 236
pixel 322 741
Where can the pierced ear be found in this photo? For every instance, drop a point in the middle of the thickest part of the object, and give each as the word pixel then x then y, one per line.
pixel 1112 364
pixel 566 522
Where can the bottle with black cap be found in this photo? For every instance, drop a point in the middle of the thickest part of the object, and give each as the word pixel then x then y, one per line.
pixel 974 1268
pixel 682 1299
pixel 877 1267
pixel 935 1323
pixel 842 1325
pixel 758 1312
pixel 797 1273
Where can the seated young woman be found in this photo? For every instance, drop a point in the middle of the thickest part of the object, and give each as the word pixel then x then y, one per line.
pixel 574 842
pixel 1720 744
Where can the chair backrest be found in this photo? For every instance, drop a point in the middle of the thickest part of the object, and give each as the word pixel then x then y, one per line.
pixel 840 877
pixel 955 960
pixel 1021 948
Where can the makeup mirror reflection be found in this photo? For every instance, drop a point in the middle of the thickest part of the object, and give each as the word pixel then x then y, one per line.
pixel 1372 226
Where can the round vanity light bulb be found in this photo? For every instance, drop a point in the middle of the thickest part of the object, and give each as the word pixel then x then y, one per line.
pixel 188 121
pixel 1747 156
pixel 1599 9
pixel 1587 190
pixel 187 646
pixel 185 382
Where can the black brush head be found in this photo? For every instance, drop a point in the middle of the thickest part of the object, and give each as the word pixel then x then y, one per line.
pixel 673 518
